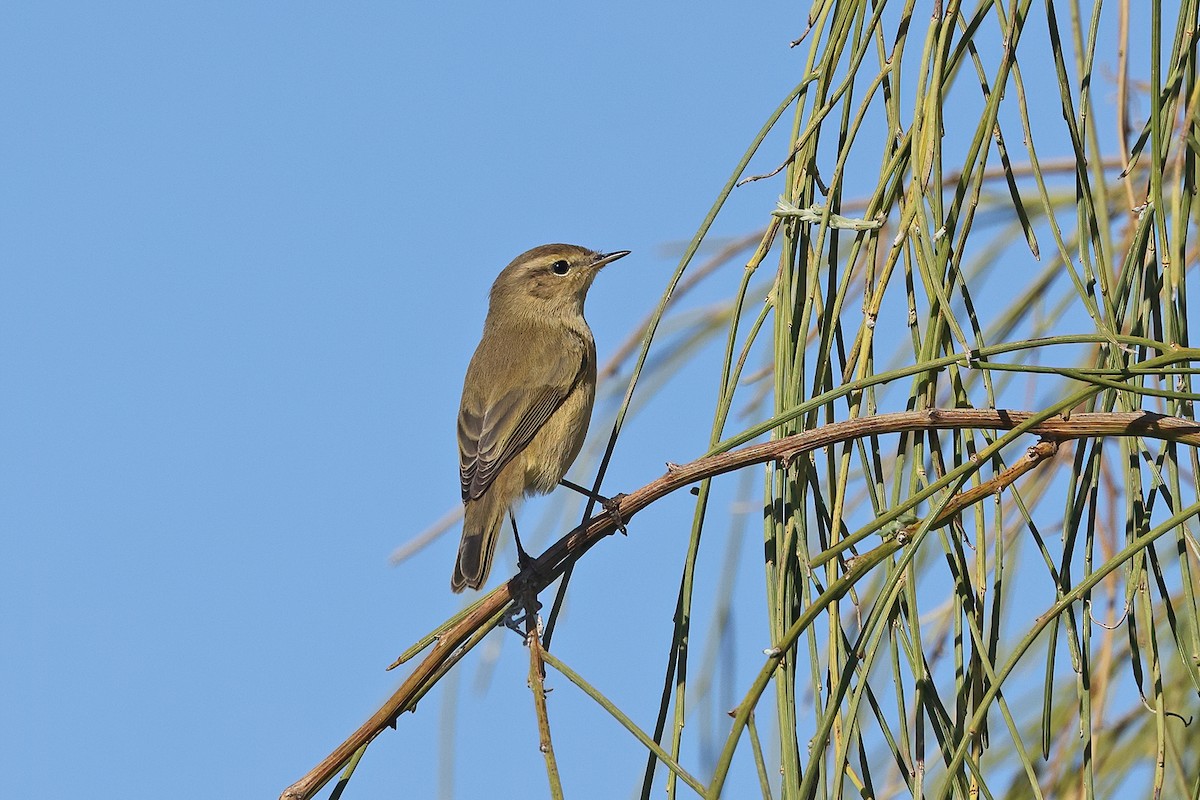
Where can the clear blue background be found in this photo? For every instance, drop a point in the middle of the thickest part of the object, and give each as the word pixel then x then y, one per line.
pixel 246 250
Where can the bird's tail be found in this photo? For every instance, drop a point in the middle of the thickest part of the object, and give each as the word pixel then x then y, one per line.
pixel 481 528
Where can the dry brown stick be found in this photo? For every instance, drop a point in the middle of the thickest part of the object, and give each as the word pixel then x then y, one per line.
pixel 545 569
pixel 537 685
pixel 1033 456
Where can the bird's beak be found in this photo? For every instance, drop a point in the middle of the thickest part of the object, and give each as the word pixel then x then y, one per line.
pixel 608 258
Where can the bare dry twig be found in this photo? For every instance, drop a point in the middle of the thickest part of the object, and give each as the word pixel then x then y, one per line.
pixel 537 685
pixel 456 639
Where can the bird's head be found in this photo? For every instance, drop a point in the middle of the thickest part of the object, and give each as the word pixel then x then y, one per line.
pixel 551 280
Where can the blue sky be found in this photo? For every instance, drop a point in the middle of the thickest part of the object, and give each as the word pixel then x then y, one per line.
pixel 246 249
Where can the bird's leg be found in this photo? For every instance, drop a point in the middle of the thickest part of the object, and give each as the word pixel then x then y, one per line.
pixel 525 602
pixel 611 504
pixel 523 559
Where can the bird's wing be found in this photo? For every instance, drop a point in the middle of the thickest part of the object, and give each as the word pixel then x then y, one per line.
pixel 490 434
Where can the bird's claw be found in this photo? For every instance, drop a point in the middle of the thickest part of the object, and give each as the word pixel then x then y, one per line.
pixel 518 614
pixel 612 505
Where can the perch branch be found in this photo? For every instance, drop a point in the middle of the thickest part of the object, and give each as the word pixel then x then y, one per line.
pixel 545 569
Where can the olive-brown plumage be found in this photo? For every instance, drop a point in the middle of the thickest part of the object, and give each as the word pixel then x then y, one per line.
pixel 527 398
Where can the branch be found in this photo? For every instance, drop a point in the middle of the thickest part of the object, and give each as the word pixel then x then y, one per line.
pixel 468 630
pixel 537 685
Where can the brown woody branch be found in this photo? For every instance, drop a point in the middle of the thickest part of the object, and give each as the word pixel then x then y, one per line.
pixel 968 497
pixel 545 569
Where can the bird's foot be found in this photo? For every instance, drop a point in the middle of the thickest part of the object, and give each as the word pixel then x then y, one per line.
pixel 519 613
pixel 612 505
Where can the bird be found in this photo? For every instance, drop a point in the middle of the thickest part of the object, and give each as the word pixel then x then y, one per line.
pixel 527 396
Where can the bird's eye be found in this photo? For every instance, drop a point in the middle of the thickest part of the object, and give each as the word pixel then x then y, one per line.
pixel 560 267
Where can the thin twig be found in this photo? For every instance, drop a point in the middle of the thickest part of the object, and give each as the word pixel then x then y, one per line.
pixel 1033 456
pixel 426 537
pixel 537 685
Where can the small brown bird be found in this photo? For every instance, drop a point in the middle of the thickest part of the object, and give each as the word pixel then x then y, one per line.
pixel 527 398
